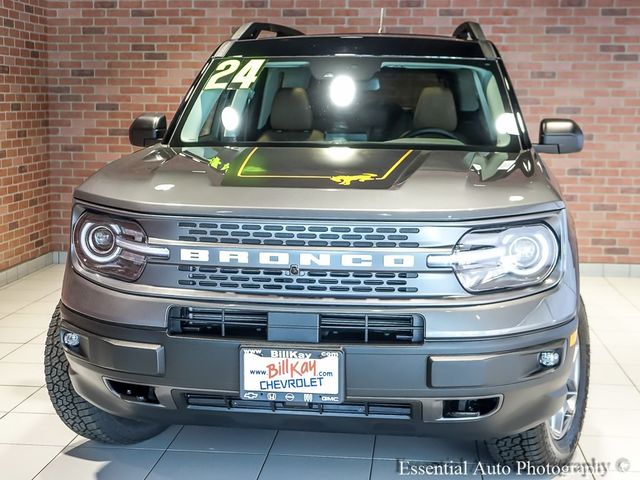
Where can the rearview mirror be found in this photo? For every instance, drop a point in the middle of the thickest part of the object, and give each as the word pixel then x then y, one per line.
pixel 559 135
pixel 147 129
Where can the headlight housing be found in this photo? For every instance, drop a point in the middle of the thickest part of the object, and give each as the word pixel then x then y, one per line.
pixel 112 246
pixel 504 258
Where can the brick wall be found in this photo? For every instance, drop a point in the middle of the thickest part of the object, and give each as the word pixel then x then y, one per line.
pixel 109 60
pixel 24 169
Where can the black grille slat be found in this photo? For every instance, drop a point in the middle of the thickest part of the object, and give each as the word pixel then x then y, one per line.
pixel 226 279
pixel 304 235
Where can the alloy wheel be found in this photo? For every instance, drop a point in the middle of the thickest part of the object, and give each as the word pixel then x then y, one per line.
pixel 560 422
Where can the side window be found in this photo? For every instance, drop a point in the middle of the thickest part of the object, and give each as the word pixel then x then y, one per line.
pixel 202 109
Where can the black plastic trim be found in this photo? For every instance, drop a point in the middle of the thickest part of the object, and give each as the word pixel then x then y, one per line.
pixel 251 31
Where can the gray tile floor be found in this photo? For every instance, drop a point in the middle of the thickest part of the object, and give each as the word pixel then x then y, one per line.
pixel 35 444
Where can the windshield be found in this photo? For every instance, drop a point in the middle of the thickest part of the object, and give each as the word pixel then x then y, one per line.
pixel 351 100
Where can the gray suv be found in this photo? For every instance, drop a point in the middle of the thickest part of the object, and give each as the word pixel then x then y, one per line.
pixel 340 232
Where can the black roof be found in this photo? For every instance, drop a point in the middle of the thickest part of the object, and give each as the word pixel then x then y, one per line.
pixel 359 44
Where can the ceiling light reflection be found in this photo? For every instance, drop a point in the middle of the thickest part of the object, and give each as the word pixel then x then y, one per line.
pixel 342 91
pixel 230 118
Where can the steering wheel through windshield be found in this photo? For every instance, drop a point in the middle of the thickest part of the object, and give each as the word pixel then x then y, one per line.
pixel 434 131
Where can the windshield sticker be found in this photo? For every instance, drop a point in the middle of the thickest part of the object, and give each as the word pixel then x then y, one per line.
pixel 235 74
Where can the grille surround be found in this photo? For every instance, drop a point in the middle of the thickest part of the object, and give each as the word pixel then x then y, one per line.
pixel 299 268
pixel 391 255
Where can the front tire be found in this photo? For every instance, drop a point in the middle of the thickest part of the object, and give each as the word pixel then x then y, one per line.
pixel 79 415
pixel 551 442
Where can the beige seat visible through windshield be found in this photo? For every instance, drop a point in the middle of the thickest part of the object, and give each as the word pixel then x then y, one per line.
pixel 291 118
pixel 436 108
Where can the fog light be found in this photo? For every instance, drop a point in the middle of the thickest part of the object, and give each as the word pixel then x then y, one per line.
pixel 549 359
pixel 71 339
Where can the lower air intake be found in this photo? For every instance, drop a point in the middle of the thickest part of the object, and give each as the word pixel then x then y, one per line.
pixel 214 322
pixel 370 410
pixel 364 328
pixel 336 328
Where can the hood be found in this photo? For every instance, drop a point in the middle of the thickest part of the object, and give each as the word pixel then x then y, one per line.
pixel 324 182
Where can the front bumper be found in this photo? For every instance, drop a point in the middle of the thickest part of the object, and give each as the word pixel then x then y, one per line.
pixel 418 379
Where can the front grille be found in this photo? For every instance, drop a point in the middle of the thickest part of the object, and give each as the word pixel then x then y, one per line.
pixel 318 282
pixel 301 235
pixel 334 328
pixel 369 409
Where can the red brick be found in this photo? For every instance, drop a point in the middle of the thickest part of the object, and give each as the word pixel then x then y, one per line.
pixel 80 72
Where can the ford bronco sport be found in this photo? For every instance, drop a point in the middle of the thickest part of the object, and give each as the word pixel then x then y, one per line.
pixel 335 232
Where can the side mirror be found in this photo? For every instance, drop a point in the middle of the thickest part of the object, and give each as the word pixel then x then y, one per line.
pixel 559 135
pixel 147 129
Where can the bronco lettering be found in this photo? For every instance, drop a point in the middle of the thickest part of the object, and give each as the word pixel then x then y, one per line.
pixel 302 259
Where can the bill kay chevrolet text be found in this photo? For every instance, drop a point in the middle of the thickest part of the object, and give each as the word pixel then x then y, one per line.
pixel 335 232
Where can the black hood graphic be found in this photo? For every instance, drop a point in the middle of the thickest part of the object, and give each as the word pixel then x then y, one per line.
pixel 330 167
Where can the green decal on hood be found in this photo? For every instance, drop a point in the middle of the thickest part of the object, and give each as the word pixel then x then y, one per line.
pixel 217 164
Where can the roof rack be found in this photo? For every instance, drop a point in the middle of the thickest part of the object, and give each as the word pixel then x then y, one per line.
pixel 469 31
pixel 473 31
pixel 251 31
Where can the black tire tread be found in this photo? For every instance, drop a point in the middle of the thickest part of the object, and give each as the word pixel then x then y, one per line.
pixel 529 446
pixel 79 415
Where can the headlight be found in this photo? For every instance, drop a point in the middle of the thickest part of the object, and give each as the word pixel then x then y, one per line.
pixel 113 246
pixel 511 257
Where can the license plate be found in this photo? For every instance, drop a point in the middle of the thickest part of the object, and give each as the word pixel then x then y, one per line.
pixel 291 375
